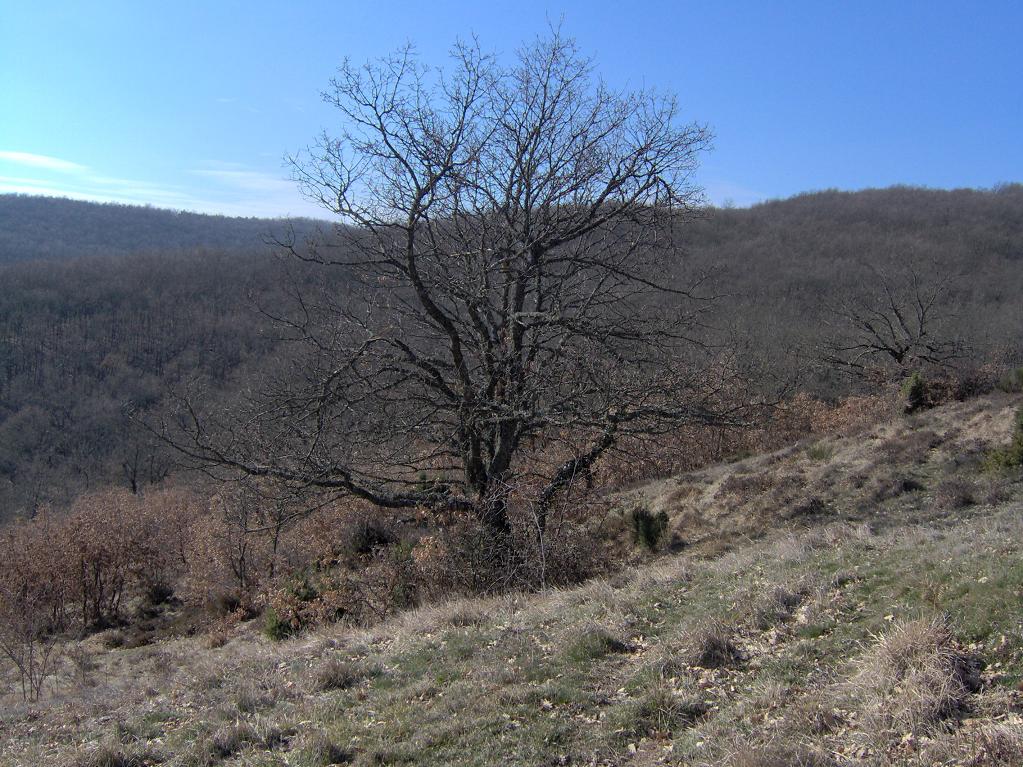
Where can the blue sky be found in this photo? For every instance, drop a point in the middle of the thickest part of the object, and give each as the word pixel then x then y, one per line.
pixel 193 104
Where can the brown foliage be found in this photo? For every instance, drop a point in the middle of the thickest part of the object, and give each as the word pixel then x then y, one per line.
pixel 73 573
pixel 31 605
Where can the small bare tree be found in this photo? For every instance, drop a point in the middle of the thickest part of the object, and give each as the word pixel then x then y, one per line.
pixel 31 606
pixel 897 324
pixel 512 307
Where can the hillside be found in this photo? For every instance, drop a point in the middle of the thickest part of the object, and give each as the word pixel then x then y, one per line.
pixel 853 600
pixel 55 228
pixel 784 266
pixel 174 296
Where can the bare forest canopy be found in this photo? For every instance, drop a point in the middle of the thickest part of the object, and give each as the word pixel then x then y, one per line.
pixel 60 229
pixel 105 305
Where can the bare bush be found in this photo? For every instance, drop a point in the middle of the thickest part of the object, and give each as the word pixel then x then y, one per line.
pixel 955 493
pixel 32 604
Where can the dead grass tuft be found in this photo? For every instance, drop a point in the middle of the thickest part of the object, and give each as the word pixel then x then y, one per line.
pixel 229 740
pixel 910 447
pixel 815 714
pixel 253 695
pixel 993 745
pixel 768 609
pixel 711 645
pixel 888 487
pixel 915 677
pixel 779 755
pixel 658 712
pixel 339 674
pixel 591 642
pixel 319 750
pixel 111 756
pixel 468 616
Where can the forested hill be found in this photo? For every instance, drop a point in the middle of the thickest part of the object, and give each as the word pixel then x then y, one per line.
pixel 58 228
pixel 90 328
pixel 785 264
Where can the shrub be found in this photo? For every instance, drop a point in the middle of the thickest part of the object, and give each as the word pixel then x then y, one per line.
pixel 32 605
pixel 914 393
pixel 1011 456
pixel 648 528
pixel 955 493
pixel 275 627
pixel 466 558
pixel 369 532
pixel 303 602
pixel 1011 381
pixel 158 593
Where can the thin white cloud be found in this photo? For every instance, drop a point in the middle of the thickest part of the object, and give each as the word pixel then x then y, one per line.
pixel 28 159
pixel 219 187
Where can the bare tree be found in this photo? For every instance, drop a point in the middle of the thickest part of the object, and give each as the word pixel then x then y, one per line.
pixel 31 607
pixel 513 308
pixel 898 323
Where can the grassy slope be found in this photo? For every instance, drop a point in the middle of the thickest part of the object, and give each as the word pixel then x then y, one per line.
pixel 815 643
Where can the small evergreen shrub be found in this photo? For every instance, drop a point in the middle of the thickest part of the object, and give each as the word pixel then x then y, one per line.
pixel 1011 456
pixel 649 528
pixel 1011 382
pixel 275 627
pixel 914 393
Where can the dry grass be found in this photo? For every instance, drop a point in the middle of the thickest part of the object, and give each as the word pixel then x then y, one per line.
pixel 591 642
pixel 118 756
pixel 658 713
pixel 955 493
pixel 339 674
pixel 779 755
pixel 914 678
pixel 319 750
pixel 990 745
pixel 768 609
pixel 711 645
pixel 794 649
